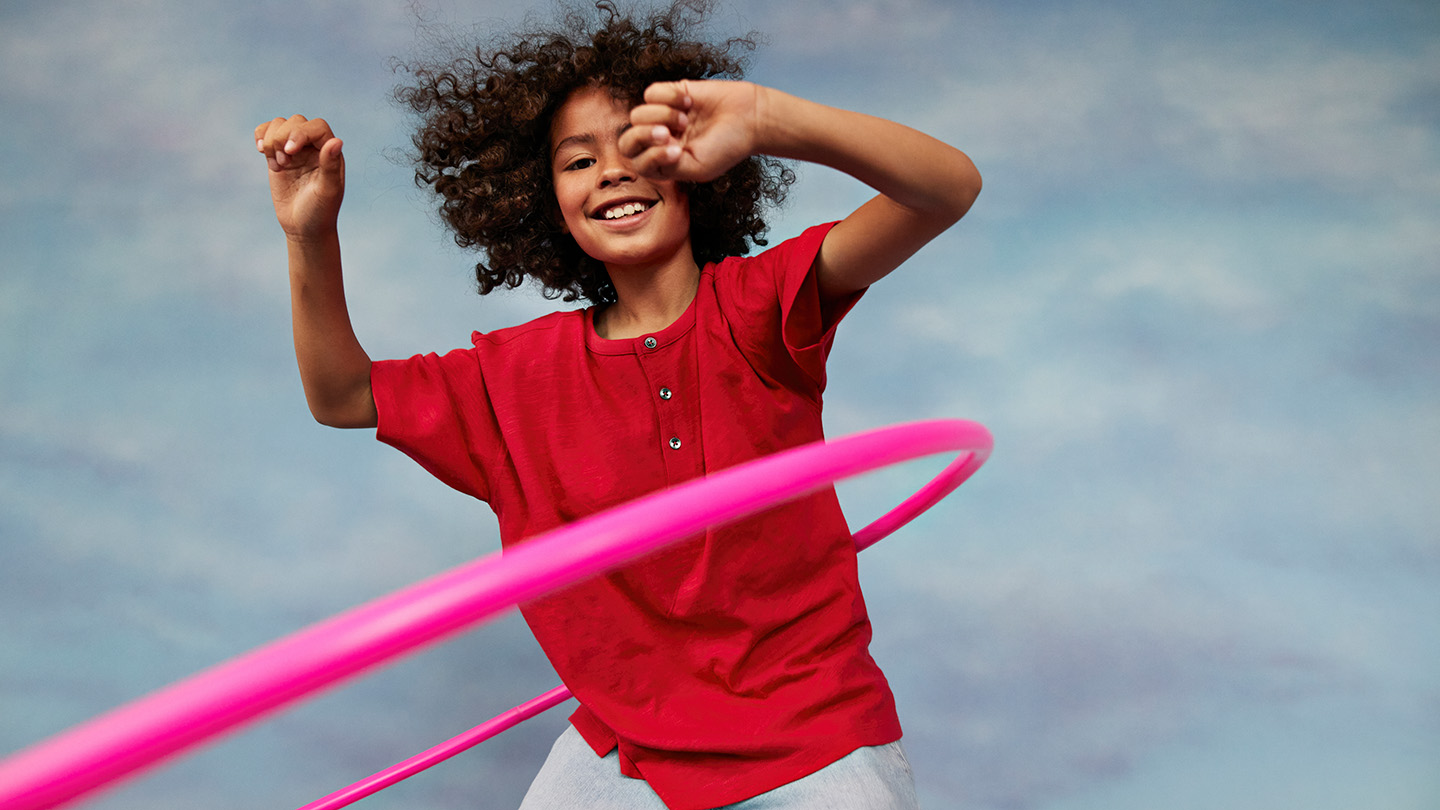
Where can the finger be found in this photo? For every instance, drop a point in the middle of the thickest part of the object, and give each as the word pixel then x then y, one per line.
pixel 671 94
pixel 637 140
pixel 283 140
pixel 650 115
pixel 269 137
pixel 658 162
pixel 267 133
pixel 303 133
pixel 260 136
pixel 332 161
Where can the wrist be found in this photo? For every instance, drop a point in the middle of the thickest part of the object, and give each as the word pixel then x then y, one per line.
pixel 785 125
pixel 313 254
pixel 323 236
pixel 768 133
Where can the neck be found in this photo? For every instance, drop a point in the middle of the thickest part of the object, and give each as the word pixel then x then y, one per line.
pixel 648 299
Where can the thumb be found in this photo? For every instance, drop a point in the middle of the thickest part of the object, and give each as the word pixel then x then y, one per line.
pixel 332 163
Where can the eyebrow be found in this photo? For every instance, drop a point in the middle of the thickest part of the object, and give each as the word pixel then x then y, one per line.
pixel 586 138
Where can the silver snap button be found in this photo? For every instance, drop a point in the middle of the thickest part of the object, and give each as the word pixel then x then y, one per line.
pixel 650 343
pixel 665 393
pixel 674 442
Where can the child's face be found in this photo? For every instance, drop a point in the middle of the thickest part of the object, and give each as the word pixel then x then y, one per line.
pixel 614 214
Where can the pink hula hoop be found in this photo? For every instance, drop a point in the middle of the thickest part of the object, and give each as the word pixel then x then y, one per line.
pixel 140 735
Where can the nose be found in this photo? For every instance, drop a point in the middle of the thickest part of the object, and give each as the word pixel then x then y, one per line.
pixel 616 169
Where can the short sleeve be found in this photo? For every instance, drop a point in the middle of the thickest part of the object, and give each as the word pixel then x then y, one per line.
pixel 434 409
pixel 773 300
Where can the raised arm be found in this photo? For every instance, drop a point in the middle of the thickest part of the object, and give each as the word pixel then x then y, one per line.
pixel 697 130
pixel 307 184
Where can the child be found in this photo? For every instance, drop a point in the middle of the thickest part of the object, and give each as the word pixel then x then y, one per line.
pixel 623 165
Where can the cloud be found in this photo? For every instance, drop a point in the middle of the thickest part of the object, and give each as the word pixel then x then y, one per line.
pixel 1113 98
pixel 1195 303
pixel 134 123
pixel 110 83
pixel 1295 110
pixel 826 29
pixel 1064 670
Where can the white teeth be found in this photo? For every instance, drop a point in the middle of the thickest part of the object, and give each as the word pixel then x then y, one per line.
pixel 625 210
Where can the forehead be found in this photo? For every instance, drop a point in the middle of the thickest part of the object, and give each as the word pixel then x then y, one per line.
pixel 588 111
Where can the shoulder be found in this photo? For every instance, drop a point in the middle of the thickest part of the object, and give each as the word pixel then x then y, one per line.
pixel 553 329
pixel 803 246
pixel 764 278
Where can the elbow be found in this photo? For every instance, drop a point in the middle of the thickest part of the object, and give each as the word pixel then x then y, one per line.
pixel 327 417
pixel 359 413
pixel 337 419
pixel 967 189
pixel 954 194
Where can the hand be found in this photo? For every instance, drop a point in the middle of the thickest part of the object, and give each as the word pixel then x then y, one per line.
pixel 307 174
pixel 693 131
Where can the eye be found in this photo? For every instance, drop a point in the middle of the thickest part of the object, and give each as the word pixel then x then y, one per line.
pixel 579 163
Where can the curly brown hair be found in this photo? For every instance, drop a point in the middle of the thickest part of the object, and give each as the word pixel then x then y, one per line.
pixel 483 141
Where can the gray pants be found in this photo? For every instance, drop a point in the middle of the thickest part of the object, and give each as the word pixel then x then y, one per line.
pixel 874 778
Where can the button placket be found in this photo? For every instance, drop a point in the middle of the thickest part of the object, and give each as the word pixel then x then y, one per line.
pixel 665 394
pixel 666 369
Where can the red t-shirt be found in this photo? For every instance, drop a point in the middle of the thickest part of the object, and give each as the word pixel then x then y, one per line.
pixel 728 664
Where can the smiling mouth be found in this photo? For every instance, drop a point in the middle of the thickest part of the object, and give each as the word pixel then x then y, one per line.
pixel 624 210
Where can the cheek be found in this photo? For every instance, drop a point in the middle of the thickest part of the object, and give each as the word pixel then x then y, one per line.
pixel 682 205
pixel 565 207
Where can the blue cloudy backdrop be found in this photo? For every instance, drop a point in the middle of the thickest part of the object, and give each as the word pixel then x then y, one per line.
pixel 1198 304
